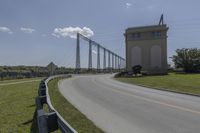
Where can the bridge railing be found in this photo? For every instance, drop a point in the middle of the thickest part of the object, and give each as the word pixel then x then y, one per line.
pixel 50 121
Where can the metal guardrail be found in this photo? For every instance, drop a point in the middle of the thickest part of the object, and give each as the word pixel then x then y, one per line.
pixel 51 121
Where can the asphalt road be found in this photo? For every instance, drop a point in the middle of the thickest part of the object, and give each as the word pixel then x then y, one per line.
pixel 118 107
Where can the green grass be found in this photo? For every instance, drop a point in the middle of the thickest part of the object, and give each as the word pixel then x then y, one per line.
pixel 17 107
pixel 17 80
pixel 184 83
pixel 75 118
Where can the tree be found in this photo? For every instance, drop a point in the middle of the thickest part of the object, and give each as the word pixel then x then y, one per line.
pixel 188 59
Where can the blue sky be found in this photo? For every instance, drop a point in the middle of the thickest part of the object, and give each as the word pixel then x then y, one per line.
pixel 35 32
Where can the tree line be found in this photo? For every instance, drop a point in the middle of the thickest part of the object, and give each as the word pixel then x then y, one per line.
pixel 187 59
pixel 17 72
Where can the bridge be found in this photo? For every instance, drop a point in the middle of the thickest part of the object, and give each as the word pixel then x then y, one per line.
pixel 111 60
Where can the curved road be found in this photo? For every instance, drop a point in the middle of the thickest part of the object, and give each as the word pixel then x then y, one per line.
pixel 118 107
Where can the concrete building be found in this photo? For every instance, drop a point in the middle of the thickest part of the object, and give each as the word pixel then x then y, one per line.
pixel 147 46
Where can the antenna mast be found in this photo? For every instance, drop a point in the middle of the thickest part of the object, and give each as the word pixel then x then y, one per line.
pixel 161 22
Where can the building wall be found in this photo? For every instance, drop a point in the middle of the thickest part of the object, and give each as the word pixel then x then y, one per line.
pixel 147 51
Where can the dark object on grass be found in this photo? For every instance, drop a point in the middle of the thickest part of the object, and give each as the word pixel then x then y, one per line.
pixel 137 69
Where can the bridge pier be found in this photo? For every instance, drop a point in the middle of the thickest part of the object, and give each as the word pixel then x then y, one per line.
pixel 112 61
pixel 98 58
pixel 109 66
pixel 78 66
pixel 115 62
pixel 104 59
pixel 90 56
pixel 119 63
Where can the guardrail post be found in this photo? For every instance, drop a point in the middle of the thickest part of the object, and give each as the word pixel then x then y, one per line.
pixel 40 100
pixel 42 123
pixel 52 121
pixel 42 92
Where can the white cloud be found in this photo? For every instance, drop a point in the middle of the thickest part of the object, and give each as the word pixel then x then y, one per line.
pixel 72 32
pixel 27 30
pixel 93 51
pixel 53 34
pixel 6 30
pixel 128 5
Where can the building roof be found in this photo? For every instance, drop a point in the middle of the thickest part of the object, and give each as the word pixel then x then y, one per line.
pixel 147 28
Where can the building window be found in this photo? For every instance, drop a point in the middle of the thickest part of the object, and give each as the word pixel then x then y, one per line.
pixel 156 34
pixel 136 35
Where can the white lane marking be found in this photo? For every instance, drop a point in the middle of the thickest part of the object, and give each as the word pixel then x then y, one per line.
pixel 20 82
pixel 155 101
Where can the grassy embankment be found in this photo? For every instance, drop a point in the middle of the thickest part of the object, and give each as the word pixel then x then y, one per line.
pixel 183 83
pixel 18 80
pixel 17 105
pixel 75 118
